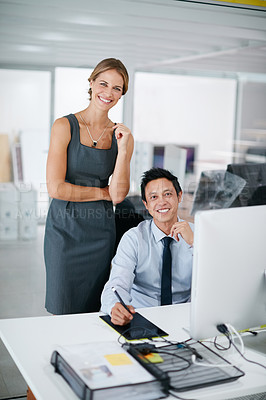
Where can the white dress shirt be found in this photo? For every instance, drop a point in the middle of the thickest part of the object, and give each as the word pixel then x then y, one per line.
pixel 137 269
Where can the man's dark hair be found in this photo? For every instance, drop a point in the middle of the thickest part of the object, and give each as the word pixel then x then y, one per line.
pixel 157 173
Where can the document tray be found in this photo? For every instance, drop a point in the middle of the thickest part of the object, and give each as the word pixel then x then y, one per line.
pixel 94 378
pixel 176 362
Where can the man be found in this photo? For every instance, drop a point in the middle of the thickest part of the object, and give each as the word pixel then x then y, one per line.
pixel 137 267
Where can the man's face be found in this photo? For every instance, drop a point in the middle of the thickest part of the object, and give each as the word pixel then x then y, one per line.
pixel 162 201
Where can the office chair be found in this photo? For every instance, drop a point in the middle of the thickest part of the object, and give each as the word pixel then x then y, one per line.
pixel 125 219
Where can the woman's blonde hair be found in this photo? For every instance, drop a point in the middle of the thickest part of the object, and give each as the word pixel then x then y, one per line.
pixel 106 65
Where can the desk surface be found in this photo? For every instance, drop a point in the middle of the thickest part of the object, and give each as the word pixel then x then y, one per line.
pixel 31 341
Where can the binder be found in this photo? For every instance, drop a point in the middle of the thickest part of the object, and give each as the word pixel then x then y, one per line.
pixel 101 370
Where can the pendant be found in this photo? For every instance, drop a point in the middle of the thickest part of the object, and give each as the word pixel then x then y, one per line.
pixel 94 143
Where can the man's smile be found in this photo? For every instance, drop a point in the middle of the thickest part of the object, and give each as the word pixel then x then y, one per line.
pixel 163 210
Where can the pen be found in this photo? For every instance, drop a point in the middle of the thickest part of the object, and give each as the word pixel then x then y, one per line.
pixel 121 300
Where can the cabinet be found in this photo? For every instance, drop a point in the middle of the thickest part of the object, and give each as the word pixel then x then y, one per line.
pixel 8 212
pixel 17 213
pixel 27 221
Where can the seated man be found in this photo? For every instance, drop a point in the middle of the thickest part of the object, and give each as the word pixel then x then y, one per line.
pixel 143 272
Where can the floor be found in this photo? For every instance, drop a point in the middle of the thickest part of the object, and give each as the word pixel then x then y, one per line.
pixel 22 287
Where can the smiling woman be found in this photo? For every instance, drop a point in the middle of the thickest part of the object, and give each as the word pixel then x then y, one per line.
pixel 106 65
pixel 86 148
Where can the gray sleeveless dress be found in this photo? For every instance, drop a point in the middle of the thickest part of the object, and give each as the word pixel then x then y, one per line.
pixel 80 236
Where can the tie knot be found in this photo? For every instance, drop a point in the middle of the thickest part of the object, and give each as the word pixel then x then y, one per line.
pixel 166 241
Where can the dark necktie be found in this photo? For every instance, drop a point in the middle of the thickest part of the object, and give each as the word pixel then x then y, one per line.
pixel 166 285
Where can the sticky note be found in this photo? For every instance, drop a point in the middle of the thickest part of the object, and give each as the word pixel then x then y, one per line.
pixel 118 359
pixel 154 358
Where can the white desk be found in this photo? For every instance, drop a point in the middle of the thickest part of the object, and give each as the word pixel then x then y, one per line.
pixel 30 341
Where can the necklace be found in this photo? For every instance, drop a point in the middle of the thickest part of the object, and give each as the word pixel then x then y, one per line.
pixel 94 142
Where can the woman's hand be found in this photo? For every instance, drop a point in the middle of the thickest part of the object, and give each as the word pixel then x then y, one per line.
pixel 120 182
pixel 123 136
pixel 106 194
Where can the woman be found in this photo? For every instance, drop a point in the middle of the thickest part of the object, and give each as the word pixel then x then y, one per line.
pixel 86 148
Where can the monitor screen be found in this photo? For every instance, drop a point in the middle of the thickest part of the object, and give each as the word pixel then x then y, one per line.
pixel 191 158
pixel 158 157
pixel 229 270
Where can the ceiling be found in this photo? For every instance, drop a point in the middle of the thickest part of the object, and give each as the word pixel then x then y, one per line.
pixel 147 35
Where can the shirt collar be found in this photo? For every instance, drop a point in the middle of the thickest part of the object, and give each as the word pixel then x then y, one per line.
pixel 157 233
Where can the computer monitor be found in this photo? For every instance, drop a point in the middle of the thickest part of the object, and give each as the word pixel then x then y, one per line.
pixel 229 270
pixel 191 156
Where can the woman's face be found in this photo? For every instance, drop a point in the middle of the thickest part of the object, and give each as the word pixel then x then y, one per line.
pixel 107 89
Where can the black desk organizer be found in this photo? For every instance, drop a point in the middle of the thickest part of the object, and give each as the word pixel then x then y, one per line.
pixel 185 375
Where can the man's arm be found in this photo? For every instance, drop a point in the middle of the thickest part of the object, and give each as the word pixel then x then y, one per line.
pixel 121 278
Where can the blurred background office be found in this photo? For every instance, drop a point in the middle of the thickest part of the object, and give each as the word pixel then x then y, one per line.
pixel 196 105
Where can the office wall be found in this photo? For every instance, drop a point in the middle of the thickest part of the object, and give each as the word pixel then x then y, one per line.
pixel 250 143
pixel 253 114
pixel 187 110
pixel 25 98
